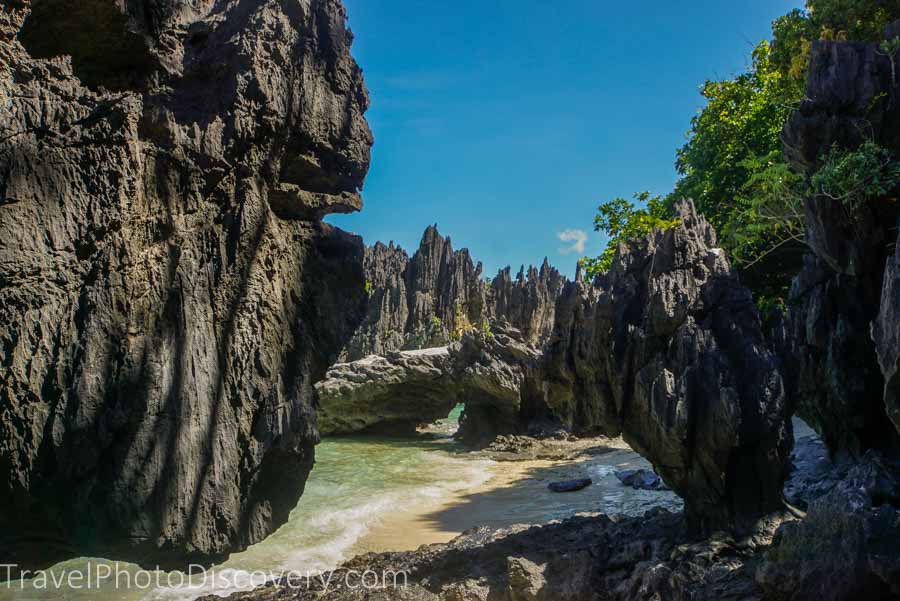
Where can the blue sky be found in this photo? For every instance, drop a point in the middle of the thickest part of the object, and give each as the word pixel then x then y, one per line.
pixel 507 121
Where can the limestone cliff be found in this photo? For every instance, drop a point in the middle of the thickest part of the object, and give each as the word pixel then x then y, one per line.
pixel 835 377
pixel 886 334
pixel 431 298
pixel 417 302
pixel 168 293
pixel 492 374
pixel 528 302
pixel 667 350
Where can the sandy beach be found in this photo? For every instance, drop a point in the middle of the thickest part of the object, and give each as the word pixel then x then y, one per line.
pixel 515 493
pixel 408 530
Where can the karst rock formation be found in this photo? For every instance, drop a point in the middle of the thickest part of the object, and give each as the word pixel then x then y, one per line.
pixel 491 374
pixel 844 305
pixel 431 298
pixel 168 292
pixel 667 350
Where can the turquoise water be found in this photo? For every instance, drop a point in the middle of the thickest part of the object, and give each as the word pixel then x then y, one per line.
pixel 361 483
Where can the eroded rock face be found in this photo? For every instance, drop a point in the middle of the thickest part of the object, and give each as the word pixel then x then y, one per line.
pixel 832 367
pixel 528 302
pixel 886 334
pixel 168 295
pixel 404 389
pixel 835 378
pixel 392 394
pixel 668 351
pixel 497 376
pixel 431 298
pixel 847 545
pixel 417 302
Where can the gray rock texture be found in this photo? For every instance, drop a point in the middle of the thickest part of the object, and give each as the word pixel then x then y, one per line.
pixel 431 298
pixel 396 393
pixel 640 479
pixel 846 547
pixel 168 294
pixel 528 302
pixel 832 367
pixel 420 301
pixel 667 350
pixel 392 394
pixel 886 334
pixel 497 375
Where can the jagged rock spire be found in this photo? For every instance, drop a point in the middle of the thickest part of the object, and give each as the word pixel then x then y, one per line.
pixel 425 300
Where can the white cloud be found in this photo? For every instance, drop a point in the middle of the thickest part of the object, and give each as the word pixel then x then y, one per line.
pixel 576 239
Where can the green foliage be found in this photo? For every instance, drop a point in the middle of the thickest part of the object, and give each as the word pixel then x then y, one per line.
pixel 436 325
pixel 769 211
pixel 889 48
pixel 461 324
pixel 855 177
pixel 486 329
pixel 621 220
pixel 792 37
pixel 370 289
pixel 742 120
pixel 732 164
pixel 593 266
pixel 858 20
pixel 862 20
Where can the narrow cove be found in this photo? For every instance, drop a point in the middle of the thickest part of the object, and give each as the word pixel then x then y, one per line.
pixel 373 494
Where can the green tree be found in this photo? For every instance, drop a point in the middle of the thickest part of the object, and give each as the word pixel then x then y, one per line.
pixel 732 164
pixel 862 20
pixel 855 177
pixel 622 220
pixel 858 20
pixel 742 120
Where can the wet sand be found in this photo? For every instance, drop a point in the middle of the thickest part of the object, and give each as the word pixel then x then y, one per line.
pixel 408 530
pixel 517 493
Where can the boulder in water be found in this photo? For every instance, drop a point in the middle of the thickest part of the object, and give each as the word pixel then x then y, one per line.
pixel 570 485
pixel 641 479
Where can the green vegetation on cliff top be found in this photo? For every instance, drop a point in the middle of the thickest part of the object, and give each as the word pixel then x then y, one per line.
pixel 732 164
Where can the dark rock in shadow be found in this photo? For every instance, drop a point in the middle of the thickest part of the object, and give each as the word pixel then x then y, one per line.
pixel 168 294
pixel 667 350
pixel 641 480
pixel 841 383
pixel 570 485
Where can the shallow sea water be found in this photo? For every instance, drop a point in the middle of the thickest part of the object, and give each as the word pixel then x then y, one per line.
pixel 365 485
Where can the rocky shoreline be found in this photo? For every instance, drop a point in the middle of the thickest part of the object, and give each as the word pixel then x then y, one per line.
pixel 594 556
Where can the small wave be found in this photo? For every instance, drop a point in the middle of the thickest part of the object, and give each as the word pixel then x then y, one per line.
pixel 320 536
pixel 222 584
pixel 602 471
